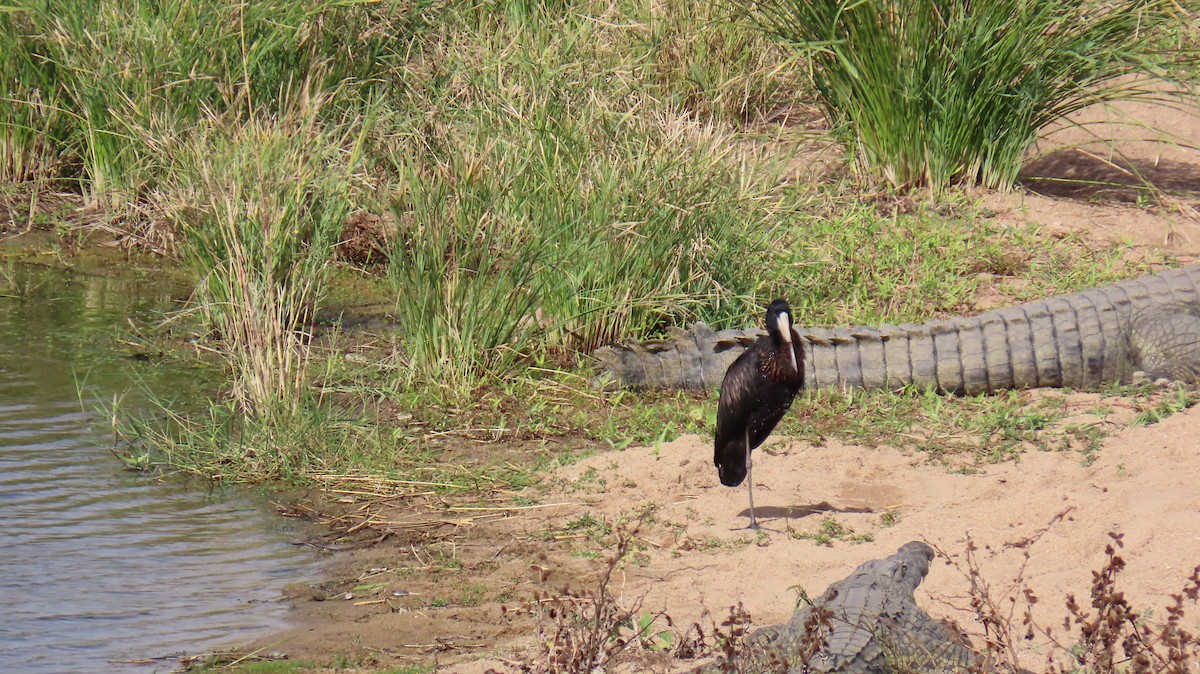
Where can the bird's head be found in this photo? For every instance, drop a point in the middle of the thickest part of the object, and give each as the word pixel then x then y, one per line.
pixel 732 470
pixel 779 326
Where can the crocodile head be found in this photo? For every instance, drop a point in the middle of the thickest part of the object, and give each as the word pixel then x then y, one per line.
pixel 909 566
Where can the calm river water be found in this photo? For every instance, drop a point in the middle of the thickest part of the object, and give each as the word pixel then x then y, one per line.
pixel 101 569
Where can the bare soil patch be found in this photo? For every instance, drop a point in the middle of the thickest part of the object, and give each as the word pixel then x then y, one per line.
pixel 439 598
pixel 1128 173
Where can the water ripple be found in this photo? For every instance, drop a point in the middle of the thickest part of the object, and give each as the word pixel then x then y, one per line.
pixel 103 568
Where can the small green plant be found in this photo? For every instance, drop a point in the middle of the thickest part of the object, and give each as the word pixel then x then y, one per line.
pixel 707 543
pixel 802 598
pixel 643 630
pixel 1166 403
pixel 590 479
pixel 274 667
pixel 588 525
pixel 410 669
pixel 832 530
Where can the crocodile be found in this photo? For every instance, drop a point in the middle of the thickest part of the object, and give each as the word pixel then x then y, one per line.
pixel 866 623
pixel 1081 340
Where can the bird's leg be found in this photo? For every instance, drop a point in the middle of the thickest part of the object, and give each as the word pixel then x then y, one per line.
pixel 750 481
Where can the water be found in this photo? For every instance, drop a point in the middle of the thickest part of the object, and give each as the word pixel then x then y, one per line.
pixel 101 568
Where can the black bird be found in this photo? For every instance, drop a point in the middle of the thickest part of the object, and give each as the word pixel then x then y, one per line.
pixel 758 389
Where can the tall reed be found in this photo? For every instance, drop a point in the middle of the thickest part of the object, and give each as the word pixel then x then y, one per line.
pixel 563 229
pixel 926 93
pixel 271 199
pixel 108 85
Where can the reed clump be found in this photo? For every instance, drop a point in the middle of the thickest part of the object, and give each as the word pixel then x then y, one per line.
pixel 100 93
pixel 270 202
pixel 586 226
pixel 926 93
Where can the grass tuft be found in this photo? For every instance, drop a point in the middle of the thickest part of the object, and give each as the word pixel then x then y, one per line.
pixel 271 200
pixel 99 91
pixel 926 93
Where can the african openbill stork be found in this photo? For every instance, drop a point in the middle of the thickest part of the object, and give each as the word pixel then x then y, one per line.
pixel 757 390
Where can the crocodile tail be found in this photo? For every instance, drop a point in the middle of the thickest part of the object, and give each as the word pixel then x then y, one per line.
pixel 1082 340
pixel 1036 344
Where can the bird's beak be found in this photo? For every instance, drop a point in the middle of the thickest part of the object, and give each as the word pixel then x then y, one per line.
pixel 785 328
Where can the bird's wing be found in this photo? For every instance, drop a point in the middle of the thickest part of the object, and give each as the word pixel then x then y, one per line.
pixel 734 404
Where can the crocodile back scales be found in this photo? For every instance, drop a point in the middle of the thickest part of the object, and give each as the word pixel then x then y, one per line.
pixel 1082 340
pixel 871 625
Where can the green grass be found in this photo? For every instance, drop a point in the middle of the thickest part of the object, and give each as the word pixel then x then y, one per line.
pixel 268 205
pixel 963 432
pixel 855 266
pixel 1163 402
pixel 220 443
pixel 587 535
pixel 273 201
pixel 275 667
pixel 558 216
pixel 956 429
pixel 98 91
pixel 926 93
pixel 537 404
pixel 831 531
pixel 306 666
pixel 549 176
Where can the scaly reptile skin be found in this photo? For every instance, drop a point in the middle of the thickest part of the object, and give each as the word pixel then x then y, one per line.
pixel 871 624
pixel 1081 340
